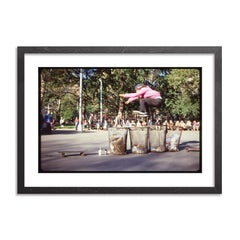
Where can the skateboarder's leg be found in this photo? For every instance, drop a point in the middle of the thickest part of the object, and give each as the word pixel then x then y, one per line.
pixel 145 103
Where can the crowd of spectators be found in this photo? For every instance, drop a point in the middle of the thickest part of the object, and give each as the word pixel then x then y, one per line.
pixel 182 125
pixel 93 123
pixel 171 125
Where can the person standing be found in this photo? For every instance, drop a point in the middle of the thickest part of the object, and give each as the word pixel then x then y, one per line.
pixel 90 120
pixel 76 121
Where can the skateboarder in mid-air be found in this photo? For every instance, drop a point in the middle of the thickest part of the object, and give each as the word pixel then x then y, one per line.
pixel 147 97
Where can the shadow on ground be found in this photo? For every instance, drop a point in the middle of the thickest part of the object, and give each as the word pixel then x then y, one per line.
pixel 185 145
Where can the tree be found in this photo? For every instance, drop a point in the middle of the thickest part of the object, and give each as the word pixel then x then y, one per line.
pixel 56 84
pixel 183 93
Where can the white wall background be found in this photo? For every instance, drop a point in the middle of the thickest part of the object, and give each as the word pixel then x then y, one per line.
pixel 119 23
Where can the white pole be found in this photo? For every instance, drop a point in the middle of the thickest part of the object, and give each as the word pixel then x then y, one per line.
pixel 100 100
pixel 80 102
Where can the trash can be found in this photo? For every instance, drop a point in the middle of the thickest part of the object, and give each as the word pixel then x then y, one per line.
pixel 139 139
pixel 173 140
pixel 157 138
pixel 117 140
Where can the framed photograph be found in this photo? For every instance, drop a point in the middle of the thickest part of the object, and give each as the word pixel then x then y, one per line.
pixel 119 120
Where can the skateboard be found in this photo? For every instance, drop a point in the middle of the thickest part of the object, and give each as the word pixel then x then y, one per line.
pixel 193 149
pixel 140 114
pixel 63 153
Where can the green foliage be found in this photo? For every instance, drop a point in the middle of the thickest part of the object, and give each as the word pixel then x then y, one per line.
pixel 183 93
pixel 58 88
pixel 180 89
pixel 68 107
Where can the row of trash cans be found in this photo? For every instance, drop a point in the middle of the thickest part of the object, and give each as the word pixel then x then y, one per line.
pixel 143 140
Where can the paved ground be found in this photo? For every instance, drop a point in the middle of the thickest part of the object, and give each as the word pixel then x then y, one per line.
pixel 90 141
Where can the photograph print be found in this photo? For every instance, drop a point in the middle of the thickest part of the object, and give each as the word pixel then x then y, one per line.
pixel 117 119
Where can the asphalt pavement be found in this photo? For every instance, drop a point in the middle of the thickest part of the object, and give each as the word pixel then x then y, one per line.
pixel 89 142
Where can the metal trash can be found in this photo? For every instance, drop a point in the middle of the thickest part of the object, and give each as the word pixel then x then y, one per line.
pixel 117 140
pixel 157 138
pixel 173 140
pixel 139 139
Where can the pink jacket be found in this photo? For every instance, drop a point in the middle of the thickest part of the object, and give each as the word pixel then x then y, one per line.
pixel 145 92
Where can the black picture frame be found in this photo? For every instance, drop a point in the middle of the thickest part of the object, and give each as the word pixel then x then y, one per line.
pixel 216 51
